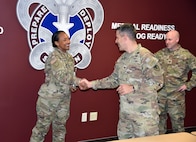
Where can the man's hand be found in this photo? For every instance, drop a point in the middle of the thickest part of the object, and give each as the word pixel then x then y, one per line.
pixel 182 88
pixel 73 88
pixel 125 89
pixel 84 84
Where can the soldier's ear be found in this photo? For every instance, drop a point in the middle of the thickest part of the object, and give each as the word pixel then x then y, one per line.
pixel 56 43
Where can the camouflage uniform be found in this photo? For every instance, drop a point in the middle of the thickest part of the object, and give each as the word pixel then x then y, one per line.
pixel 139 113
pixel 54 97
pixel 176 65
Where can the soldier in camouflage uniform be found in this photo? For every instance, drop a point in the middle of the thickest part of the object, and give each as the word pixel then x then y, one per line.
pixel 137 76
pixel 176 62
pixel 54 95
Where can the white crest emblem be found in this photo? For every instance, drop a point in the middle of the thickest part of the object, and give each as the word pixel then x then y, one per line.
pixel 80 19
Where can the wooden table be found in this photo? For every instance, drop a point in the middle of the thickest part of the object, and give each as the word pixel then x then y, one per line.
pixel 194 133
pixel 174 137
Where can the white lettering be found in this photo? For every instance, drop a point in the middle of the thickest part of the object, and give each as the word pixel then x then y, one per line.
pixel 44 9
pixel 88 44
pixel 141 36
pixel 33 30
pixel 155 36
pixel 77 59
pixel 37 19
pixel 33 36
pixel 82 13
pixel 136 26
pixel 157 27
pixel 88 24
pixel 44 57
pixel 34 42
pixel 89 37
pixel 86 18
pixel 89 29
pixel 34 24
pixel 116 25
pixel 1 30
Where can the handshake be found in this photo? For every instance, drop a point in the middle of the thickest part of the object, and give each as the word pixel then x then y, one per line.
pixel 84 84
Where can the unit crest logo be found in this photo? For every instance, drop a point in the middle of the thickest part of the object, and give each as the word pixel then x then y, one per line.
pixel 80 19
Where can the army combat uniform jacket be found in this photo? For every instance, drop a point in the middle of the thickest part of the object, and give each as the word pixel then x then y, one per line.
pixel 140 69
pixel 53 104
pixel 59 74
pixel 177 65
pixel 139 111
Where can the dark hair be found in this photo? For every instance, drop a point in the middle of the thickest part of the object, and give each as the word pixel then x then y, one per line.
pixel 55 37
pixel 128 29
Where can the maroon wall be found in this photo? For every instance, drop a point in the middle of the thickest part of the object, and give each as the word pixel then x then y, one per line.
pixel 19 82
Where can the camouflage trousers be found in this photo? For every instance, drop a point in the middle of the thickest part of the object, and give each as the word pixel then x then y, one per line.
pixel 51 111
pixel 136 123
pixel 174 105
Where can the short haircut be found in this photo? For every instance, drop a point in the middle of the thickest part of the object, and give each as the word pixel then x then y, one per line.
pixel 127 29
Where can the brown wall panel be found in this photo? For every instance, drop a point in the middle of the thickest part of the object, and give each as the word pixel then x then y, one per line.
pixel 19 82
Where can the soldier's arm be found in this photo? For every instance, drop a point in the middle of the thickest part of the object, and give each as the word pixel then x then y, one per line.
pixel 192 65
pixel 153 72
pixel 109 82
